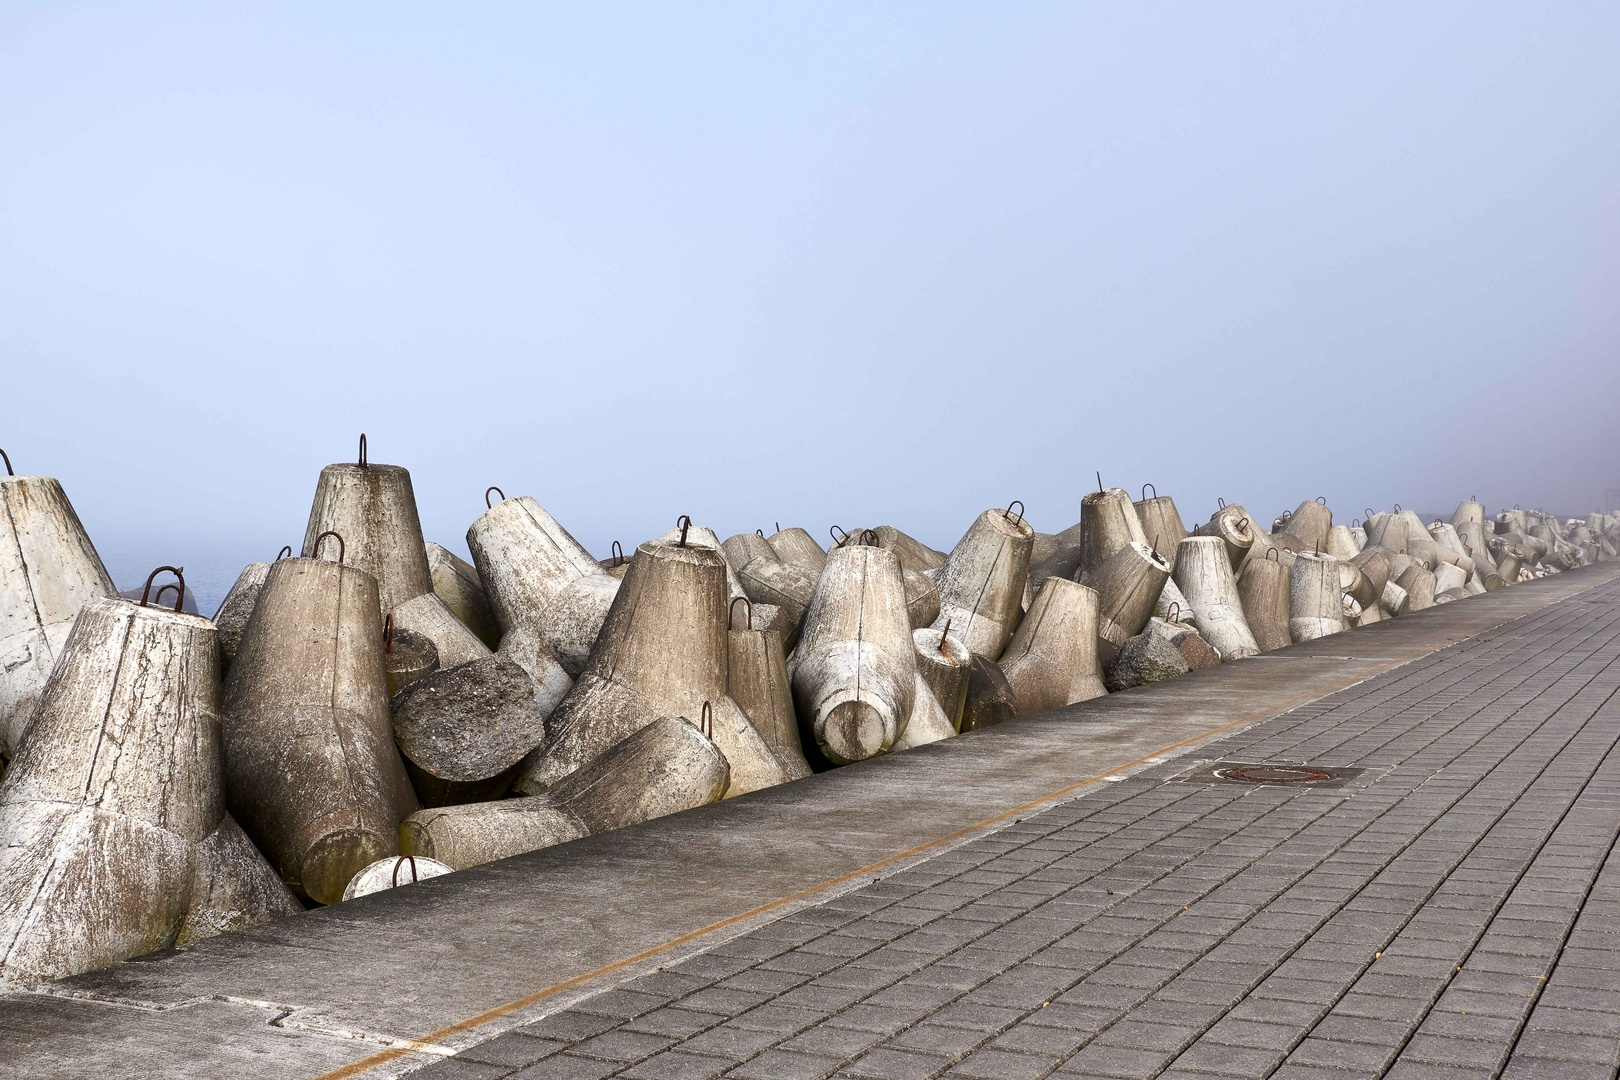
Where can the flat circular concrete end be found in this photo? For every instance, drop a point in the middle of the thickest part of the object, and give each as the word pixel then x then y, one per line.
pixel 334 859
pixel 853 731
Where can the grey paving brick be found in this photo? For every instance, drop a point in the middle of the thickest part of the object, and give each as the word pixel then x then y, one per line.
pixel 459 1068
pixel 786 1065
pixel 568 1067
pixel 676 1065
pixel 886 1064
pixel 512 1049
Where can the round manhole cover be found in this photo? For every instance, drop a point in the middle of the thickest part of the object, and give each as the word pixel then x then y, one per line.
pixel 1276 774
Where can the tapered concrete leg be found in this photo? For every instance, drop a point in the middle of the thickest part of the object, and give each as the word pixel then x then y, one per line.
pixel 1236 530
pixel 943 663
pixel 409 656
pixel 1052 659
pixel 311 770
pixel 912 553
pixel 1394 600
pixel 373 508
pixel 928 722
pixel 990 697
pixel 456 582
pixel 1108 522
pixel 232 887
pixel 1263 592
pixel 1161 524
pixel 535 574
pixel 767 579
pixel 232 617
pixel 1468 510
pixel 853 669
pixel 757 680
pixel 1063 562
pixel 800 548
pixel 1173 603
pixel 1311 522
pixel 1204 572
pixel 922 598
pixel 1340 544
pixel 476 833
pixel 431 617
pixel 48 571
pixel 1315 601
pixel 1128 584
pixel 1447 577
pixel 981 585
pixel 1419 585
pixel 522 646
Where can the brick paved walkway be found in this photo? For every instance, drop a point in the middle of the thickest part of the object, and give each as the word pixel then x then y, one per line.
pixel 1453 912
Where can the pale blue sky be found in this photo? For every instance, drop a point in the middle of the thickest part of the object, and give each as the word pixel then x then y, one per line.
pixel 851 263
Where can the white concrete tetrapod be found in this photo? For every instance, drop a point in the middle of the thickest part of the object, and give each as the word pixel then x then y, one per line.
pixel 391 873
pixel 662 652
pixel 1358 535
pixel 1161 523
pixel 464 729
pixel 663 767
pixel 922 598
pixel 981 585
pixel 943 662
pixel 536 575
pixel 1263 592
pixel 48 571
pixel 1172 603
pixel 990 698
pixel 796 546
pixel 1051 660
pixel 757 680
pixel 1204 573
pixel 1128 584
pixel 767 578
pixel 408 655
pixel 1232 525
pixel 853 670
pixel 1468 510
pixel 114 804
pixel 373 508
pixel 687 534
pixel 310 766
pixel 456 582
pixel 1315 598
pixel 1448 577
pixel 1063 562
pixel 1387 531
pixel 522 646
pixel 1393 600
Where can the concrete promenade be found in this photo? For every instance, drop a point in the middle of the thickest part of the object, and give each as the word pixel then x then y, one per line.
pixel 1074 895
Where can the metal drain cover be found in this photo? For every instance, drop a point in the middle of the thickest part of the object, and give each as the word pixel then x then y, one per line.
pixel 1292 775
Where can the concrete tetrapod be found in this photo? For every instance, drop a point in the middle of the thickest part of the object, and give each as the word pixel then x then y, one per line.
pixel 1393 600
pixel 1204 573
pixel 522 646
pixel 1061 562
pixel 385 874
pixel 943 663
pixel 409 657
pixel 1263 591
pixel 113 835
pixel 1052 658
pixel 799 548
pixel 1128 584
pixel 463 729
pixel 854 669
pixel 662 768
pixel 1161 523
pixel 757 680
pixel 536 575
pixel 1236 531
pixel 1340 544
pixel 373 508
pixel 1448 578
pixel 310 766
pixel 662 652
pixel 1315 600
pixel 48 571
pixel 456 582
pixel 981 585
pixel 232 617
pixel 1468 510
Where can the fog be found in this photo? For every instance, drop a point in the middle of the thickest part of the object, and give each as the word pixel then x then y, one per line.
pixel 833 263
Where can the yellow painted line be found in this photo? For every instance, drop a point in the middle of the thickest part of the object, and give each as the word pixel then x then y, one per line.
pixel 428 1041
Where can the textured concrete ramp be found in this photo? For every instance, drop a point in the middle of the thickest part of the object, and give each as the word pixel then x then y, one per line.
pixel 395 981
